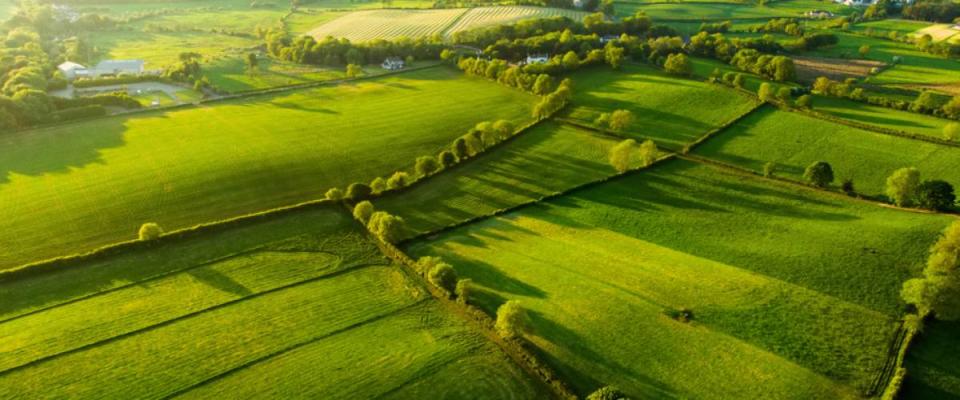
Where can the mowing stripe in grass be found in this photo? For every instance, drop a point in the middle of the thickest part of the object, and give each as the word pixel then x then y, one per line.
pixel 182 318
pixel 293 347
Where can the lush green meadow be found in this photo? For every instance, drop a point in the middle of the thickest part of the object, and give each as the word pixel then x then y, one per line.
pixel 159 50
pixel 901 26
pixel 722 10
pixel 669 110
pixel 910 122
pixel 933 372
pixel 187 166
pixel 230 73
pixel 238 311
pixel 915 67
pixel 544 160
pixel 794 141
pixel 794 301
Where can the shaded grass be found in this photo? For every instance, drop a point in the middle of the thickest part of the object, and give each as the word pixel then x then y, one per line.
pixel 794 141
pixel 784 286
pixel 915 66
pixel 881 116
pixel 932 370
pixel 75 187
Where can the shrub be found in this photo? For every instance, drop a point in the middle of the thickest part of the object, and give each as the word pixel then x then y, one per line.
pixel 765 92
pixel 620 120
pixel 363 210
pixel 607 393
pixel 738 80
pixel 511 319
pixel 426 165
pixel 819 174
pixel 847 187
pixel 444 277
pixel 463 290
pixel 447 159
pixel 902 185
pixel 936 195
pixel 358 191
pixel 952 108
pixel 426 263
pixel 150 231
pixel 334 194
pixel 388 228
pixel 678 64
pixel 783 94
pixel 804 101
pixel 378 185
pixel 621 155
pixel 398 180
pixel 648 152
pixel 460 148
pixel 951 131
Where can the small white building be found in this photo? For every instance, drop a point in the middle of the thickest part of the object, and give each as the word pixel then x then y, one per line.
pixel 393 63
pixel 577 3
pixel 819 14
pixel 69 70
pixel 538 59
pixel 609 38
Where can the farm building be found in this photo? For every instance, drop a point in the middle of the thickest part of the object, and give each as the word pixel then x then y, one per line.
pixel 69 69
pixel 392 63
pixel 819 14
pixel 608 38
pixel 118 67
pixel 538 59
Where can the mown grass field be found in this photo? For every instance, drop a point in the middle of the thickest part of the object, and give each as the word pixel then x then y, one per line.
pixel 931 363
pixel 921 124
pixel 159 50
pixel 790 297
pixel 276 297
pixel 901 26
pixel 489 16
pixel 722 10
pixel 388 24
pixel 794 141
pixel 74 187
pixel 230 73
pixel 668 110
pixel 544 160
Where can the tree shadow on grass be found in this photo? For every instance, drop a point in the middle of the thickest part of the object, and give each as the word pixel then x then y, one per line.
pixel 489 276
pixel 220 281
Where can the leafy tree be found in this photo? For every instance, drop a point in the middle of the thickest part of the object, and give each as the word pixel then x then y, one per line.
pixel 902 186
pixel 936 195
pixel 447 159
pixel 460 148
pixel 769 169
pixel 678 64
pixel 938 291
pixel 503 128
pixel 543 84
pixel 378 185
pixel 464 290
pixel 648 152
pixel 620 120
pixel 952 108
pixel 951 131
pixel 426 165
pixel 363 211
pixel 389 228
pixel 613 55
pixel 425 264
pixel 621 155
pixel 783 94
pixel 571 61
pixel 738 80
pixel 511 319
pixel 847 187
pixel 444 277
pixel 864 50
pixel 819 174
pixel 334 194
pixel 607 393
pixel 603 120
pixel 804 101
pixel 252 63
pixel 150 231
pixel 765 92
pixel 398 180
pixel 925 102
pixel 358 190
pixel 354 70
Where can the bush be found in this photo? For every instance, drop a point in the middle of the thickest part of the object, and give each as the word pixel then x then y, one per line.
pixel 902 185
pixel 388 228
pixel 678 64
pixel 358 191
pixel 607 393
pixel 621 155
pixel 150 231
pixel 363 210
pixel 444 277
pixel 936 195
pixel 398 180
pixel 951 131
pixel 89 111
pixel 334 194
pixel 620 120
pixel 447 159
pixel 847 187
pixel 426 263
pixel 765 92
pixel 819 174
pixel 426 165
pixel 378 185
pixel 463 290
pixel 511 319
pixel 648 152
pixel 804 101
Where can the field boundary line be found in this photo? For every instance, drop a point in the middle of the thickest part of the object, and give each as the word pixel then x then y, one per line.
pixel 295 346
pixel 184 317
pixel 874 128
pixel 443 33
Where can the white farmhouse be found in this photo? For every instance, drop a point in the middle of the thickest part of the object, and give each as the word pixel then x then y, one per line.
pixel 392 63
pixel 538 59
pixel 69 70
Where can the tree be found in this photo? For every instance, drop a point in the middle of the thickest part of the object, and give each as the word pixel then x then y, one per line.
pixel 925 102
pixel 460 148
pixel 363 211
pixel 447 159
pixel 902 186
pixel 847 187
pixel 464 290
pixel 150 231
pixel 426 263
pixel 602 121
pixel 864 50
pixel 378 185
pixel 738 80
pixel 783 94
pixel 769 169
pixel 444 277
pixel 819 174
pixel 620 120
pixel 511 319
pixel 765 92
pixel 804 101
pixel 358 190
pixel 678 64
pixel 607 393
pixel 334 194
pixel 936 195
pixel 938 291
pixel 543 84
pixel 613 55
pixel 570 60
pixel 398 180
pixel 354 70
pixel 952 108
pixel 621 155
pixel 426 165
pixel 252 63
pixel 389 228
pixel 951 131
pixel 648 152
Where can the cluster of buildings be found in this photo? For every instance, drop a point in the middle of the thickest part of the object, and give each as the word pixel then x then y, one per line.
pixel 72 70
pixel 393 64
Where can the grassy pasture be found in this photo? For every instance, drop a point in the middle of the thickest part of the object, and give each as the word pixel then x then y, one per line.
pixel 668 110
pixel 932 363
pixel 794 141
pixel 881 116
pixel 305 20
pixel 902 26
pixel 940 32
pixel 238 20
pixel 162 49
pixel 718 10
pixel 489 16
pixel 544 160
pixel 791 303
pixel 916 67
pixel 388 24
pixel 308 283
pixel 187 166
pixel 230 74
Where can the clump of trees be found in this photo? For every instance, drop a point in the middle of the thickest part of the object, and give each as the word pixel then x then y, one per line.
pixel 623 155
pixel 938 291
pixel 363 211
pixel 341 52
pixel 925 103
pixel 443 276
pixel 819 174
pixel 511 320
pixel 150 231
pixel 617 121
pixel 385 226
pixel 778 68
pixel 905 189
pixel 678 64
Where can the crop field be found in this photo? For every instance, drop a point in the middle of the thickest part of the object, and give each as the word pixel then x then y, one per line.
pixel 667 110
pixel 915 66
pixel 194 165
pixel 792 303
pixel 881 116
pixel 277 296
pixel 811 68
pixel 544 160
pixel 793 141
pixel 388 24
pixel 490 16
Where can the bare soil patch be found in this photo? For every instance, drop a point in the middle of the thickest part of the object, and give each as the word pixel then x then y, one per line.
pixel 809 68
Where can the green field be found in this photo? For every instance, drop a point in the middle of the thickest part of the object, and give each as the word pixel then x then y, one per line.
pixel 219 160
pixel 544 160
pixel 915 67
pixel 230 74
pixel 794 301
pixel 901 26
pixel 668 110
pixel 932 367
pixel 388 24
pixel 238 311
pixel 910 122
pixel 722 9
pixel 794 141
pixel 489 16
pixel 162 49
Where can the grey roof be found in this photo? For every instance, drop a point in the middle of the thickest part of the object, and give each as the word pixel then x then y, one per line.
pixel 121 65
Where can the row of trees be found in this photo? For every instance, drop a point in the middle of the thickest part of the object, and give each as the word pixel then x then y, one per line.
pixel 905 189
pixel 385 226
pixel 628 153
pixel 925 103
pixel 938 290
pixel 638 24
pixel 340 52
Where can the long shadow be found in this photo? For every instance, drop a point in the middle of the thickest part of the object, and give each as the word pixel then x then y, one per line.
pixel 220 281
pixel 487 275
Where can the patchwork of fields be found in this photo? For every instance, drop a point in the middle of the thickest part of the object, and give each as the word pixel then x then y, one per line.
pixel 187 166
